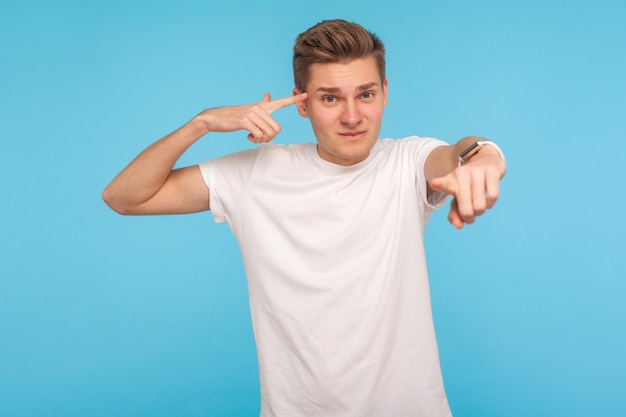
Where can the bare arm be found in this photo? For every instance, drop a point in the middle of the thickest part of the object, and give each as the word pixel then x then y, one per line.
pixel 150 185
pixel 475 185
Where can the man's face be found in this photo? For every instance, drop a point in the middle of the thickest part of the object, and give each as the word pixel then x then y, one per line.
pixel 345 104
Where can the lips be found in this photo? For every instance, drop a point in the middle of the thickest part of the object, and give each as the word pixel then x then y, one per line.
pixel 353 135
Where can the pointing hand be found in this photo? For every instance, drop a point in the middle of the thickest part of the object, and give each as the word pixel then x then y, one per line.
pixel 255 118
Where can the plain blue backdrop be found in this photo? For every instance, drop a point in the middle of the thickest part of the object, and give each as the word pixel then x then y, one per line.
pixel 104 315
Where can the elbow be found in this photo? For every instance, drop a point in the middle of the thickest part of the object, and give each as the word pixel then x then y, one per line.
pixel 108 196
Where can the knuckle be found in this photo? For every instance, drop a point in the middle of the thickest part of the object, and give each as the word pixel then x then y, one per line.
pixel 480 208
pixel 465 211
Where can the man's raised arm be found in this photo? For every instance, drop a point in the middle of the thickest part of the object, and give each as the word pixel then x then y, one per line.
pixel 150 185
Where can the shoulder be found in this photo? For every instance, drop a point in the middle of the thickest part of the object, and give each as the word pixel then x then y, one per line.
pixel 410 147
pixel 263 150
pixel 411 142
pixel 277 150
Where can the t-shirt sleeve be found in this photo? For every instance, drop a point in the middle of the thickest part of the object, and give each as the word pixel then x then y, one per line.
pixel 226 177
pixel 437 199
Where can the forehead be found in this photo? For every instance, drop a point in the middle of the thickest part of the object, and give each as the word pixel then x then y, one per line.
pixel 343 76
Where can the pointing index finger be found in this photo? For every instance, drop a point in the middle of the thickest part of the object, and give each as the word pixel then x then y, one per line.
pixel 278 104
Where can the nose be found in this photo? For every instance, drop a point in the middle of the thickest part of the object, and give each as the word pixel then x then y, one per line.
pixel 351 115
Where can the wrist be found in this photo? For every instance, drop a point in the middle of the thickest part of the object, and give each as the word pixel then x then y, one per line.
pixel 482 146
pixel 201 123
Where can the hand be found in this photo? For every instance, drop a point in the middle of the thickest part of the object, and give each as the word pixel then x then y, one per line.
pixel 474 185
pixel 255 118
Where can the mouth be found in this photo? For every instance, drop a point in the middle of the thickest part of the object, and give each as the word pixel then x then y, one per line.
pixel 353 135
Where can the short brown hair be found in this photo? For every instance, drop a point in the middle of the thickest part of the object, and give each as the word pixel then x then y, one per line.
pixel 334 41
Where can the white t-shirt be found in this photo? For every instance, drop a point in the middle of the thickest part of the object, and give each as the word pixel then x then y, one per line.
pixel 337 277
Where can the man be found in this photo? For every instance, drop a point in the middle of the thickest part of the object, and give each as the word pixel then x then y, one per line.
pixel 331 233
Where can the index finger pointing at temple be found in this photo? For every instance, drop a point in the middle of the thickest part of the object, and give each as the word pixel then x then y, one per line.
pixel 274 105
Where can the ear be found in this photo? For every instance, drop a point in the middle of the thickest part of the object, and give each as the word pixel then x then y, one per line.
pixel 301 105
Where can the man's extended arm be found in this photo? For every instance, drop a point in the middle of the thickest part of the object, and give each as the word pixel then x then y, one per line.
pixel 475 185
pixel 150 185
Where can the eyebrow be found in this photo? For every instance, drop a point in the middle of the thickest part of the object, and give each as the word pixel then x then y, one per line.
pixel 333 90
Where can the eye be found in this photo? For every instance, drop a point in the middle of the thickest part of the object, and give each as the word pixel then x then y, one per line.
pixel 329 99
pixel 367 95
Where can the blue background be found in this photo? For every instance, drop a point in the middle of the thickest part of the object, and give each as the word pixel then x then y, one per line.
pixel 104 315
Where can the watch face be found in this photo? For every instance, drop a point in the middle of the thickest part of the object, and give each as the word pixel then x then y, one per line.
pixel 467 151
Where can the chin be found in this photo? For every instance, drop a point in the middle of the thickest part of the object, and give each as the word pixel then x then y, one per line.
pixel 347 153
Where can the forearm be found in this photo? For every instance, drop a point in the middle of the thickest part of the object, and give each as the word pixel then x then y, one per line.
pixel 444 159
pixel 147 173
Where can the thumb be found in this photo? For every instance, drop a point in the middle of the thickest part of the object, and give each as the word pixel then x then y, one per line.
pixel 266 98
pixel 446 184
